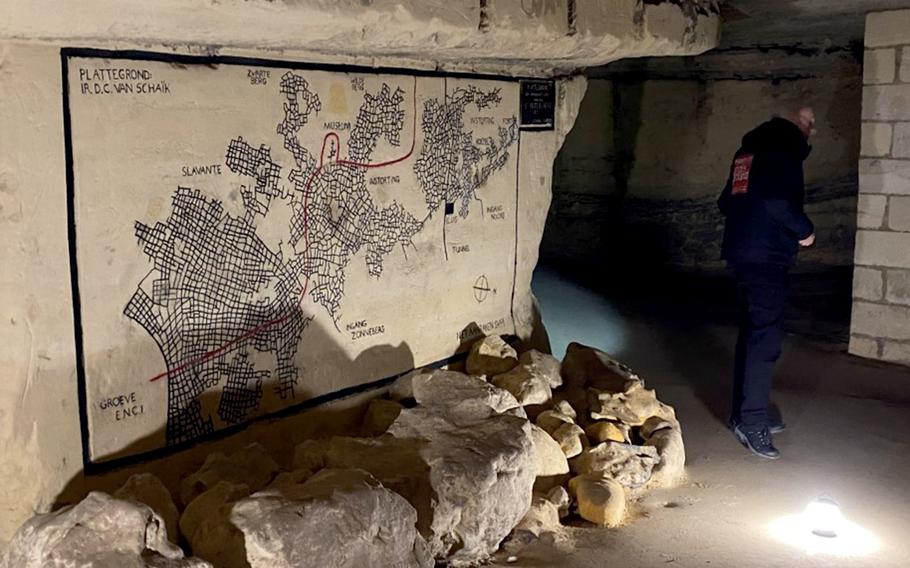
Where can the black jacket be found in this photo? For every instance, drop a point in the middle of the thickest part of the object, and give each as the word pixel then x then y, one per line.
pixel 763 198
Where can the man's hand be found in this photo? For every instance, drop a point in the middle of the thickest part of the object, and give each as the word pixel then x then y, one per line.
pixel 808 241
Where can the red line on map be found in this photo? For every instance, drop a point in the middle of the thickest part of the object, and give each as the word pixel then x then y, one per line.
pixel 306 245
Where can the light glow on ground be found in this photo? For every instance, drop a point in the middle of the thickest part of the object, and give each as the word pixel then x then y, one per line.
pixel 852 540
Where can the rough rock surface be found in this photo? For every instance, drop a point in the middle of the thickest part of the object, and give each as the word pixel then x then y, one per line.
pixel 491 356
pixel 670 471
pixel 526 385
pixel 209 507
pixel 379 416
pixel 147 489
pixel 566 408
pixel 542 517
pixel 560 497
pixel 462 399
pixel 605 431
pixel 552 420
pixel 629 465
pixel 464 458
pixel 548 454
pixel 544 365
pixel 587 366
pixel 571 439
pixel 98 532
pixel 337 518
pixel 632 407
pixel 600 500
pixel 251 465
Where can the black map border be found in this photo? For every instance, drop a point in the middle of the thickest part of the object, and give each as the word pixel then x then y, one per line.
pixel 66 53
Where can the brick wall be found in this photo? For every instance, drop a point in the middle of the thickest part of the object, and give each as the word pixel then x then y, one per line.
pixel 880 327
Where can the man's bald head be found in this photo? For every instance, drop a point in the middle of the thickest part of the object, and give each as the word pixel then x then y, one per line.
pixel 804 119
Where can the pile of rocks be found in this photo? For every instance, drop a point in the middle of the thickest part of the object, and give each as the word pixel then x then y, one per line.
pixel 448 464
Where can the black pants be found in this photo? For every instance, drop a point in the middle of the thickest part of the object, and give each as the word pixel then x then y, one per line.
pixel 762 297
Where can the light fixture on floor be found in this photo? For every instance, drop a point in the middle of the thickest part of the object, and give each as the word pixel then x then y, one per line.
pixel 823 517
pixel 822 529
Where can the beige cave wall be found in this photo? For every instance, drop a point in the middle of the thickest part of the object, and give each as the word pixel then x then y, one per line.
pixel 880 326
pixel 40 435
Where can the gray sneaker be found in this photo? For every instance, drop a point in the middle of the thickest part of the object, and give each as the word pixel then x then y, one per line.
pixel 775 426
pixel 758 442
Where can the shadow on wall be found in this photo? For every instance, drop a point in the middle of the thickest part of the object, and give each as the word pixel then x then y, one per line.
pixel 315 415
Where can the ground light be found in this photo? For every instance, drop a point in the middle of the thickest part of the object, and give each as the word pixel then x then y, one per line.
pixel 822 529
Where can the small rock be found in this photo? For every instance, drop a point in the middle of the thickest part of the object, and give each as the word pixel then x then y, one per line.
pixel 380 415
pixel 565 407
pixel 604 431
pixel 544 365
pixel 560 497
pixel 671 470
pixel 147 489
pixel 542 517
pixel 600 500
pixel 632 407
pixel 588 367
pixel 525 384
pixel 549 456
pixel 206 506
pixel 550 420
pixel 99 531
pixel 571 438
pixel 491 356
pixel 251 465
pixel 629 465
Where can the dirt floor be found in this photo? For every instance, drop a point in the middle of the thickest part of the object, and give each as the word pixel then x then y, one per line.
pixel 848 437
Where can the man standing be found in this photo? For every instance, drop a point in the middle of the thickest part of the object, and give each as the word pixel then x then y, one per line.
pixel 765 226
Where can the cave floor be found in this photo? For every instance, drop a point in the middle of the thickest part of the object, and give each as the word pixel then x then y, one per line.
pixel 848 437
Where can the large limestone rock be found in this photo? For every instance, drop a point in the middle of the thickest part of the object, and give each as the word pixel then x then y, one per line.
pixel 336 519
pixel 629 465
pixel 632 407
pixel 543 365
pixel 147 489
pixel 600 500
pixel 251 466
pixel 462 399
pixel 462 458
pixel 99 532
pixel 548 454
pixel 526 385
pixel 491 356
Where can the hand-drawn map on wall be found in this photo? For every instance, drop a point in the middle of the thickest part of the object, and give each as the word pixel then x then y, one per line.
pixel 251 235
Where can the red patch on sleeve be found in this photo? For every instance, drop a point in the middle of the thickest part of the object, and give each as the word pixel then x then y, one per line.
pixel 741 167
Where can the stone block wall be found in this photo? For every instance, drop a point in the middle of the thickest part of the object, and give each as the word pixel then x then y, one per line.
pixel 880 326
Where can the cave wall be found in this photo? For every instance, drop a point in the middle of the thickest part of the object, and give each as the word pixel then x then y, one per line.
pixel 880 326
pixel 651 150
pixel 41 433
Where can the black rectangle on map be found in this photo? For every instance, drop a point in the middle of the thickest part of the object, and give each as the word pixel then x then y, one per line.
pixel 538 104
